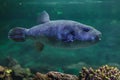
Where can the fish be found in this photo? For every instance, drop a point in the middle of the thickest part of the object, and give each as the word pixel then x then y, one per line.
pixel 57 33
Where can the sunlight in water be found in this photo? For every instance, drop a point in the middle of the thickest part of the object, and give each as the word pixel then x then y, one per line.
pixel 63 2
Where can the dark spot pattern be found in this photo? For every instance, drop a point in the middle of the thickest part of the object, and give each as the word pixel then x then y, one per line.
pixel 85 29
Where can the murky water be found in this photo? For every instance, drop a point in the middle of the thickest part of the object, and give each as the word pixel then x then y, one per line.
pixel 101 14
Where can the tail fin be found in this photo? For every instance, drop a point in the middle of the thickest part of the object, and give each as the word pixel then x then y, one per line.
pixel 17 34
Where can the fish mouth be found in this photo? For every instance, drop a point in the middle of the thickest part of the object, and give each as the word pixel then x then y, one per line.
pixel 99 36
pixel 96 38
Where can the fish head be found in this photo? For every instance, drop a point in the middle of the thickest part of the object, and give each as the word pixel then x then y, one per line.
pixel 88 34
pixel 77 36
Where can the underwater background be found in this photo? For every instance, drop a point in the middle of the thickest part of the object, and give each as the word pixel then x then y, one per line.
pixel 104 15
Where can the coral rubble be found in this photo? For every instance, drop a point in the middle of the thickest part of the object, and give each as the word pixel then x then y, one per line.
pixel 14 71
pixel 5 73
pixel 19 73
pixel 2 73
pixel 103 73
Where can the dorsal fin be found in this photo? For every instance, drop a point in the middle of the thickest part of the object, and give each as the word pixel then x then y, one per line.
pixel 43 18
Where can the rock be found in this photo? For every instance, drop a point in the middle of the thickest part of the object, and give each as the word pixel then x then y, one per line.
pixel 40 76
pixel 55 76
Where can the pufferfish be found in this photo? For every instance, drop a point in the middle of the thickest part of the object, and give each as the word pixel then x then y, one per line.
pixel 57 33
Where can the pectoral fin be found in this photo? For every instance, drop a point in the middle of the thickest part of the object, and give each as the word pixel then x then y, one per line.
pixel 39 46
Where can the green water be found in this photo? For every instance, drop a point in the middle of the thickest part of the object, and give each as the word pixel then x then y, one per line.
pixel 104 15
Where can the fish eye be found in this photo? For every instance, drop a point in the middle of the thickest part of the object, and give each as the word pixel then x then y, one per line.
pixel 86 29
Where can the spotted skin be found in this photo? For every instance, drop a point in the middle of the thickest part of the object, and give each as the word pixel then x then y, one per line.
pixel 58 33
pixel 65 33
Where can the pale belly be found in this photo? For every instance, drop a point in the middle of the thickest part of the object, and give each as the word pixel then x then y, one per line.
pixel 61 44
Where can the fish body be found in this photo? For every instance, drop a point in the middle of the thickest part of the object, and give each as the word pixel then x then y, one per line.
pixel 58 33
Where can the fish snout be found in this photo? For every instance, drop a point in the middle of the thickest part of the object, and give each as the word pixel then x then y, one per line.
pixel 98 37
pixel 95 36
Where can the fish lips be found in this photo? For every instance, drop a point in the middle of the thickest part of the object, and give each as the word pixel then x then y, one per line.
pixel 96 38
